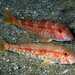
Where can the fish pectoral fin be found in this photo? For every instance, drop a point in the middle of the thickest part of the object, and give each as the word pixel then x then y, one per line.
pixel 46 63
pixel 46 40
pixel 22 56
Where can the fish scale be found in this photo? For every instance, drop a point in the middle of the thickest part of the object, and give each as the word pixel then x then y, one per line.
pixel 48 29
pixel 50 53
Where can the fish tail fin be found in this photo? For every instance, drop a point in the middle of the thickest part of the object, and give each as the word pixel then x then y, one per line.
pixel 10 18
pixel 2 44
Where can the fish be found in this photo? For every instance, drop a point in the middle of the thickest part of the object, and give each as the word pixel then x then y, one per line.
pixel 49 53
pixel 47 29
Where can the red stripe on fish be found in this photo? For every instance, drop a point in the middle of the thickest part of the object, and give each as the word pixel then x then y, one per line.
pixel 47 52
pixel 44 28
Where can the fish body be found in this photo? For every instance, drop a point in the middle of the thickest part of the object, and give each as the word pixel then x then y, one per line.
pixel 44 28
pixel 50 53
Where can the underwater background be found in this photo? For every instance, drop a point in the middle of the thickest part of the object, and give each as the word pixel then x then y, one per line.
pixel 11 63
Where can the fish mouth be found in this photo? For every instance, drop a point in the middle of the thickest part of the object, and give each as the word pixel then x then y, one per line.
pixel 65 39
pixel 69 38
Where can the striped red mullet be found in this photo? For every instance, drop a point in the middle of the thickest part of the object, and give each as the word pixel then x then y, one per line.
pixel 50 53
pixel 49 30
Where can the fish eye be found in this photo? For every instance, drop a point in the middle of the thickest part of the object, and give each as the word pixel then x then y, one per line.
pixel 60 31
pixel 65 54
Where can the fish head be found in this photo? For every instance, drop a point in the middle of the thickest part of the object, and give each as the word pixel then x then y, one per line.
pixel 65 57
pixel 61 33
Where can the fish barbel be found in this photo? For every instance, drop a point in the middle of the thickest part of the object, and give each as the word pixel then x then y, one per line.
pixel 48 29
pixel 50 53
